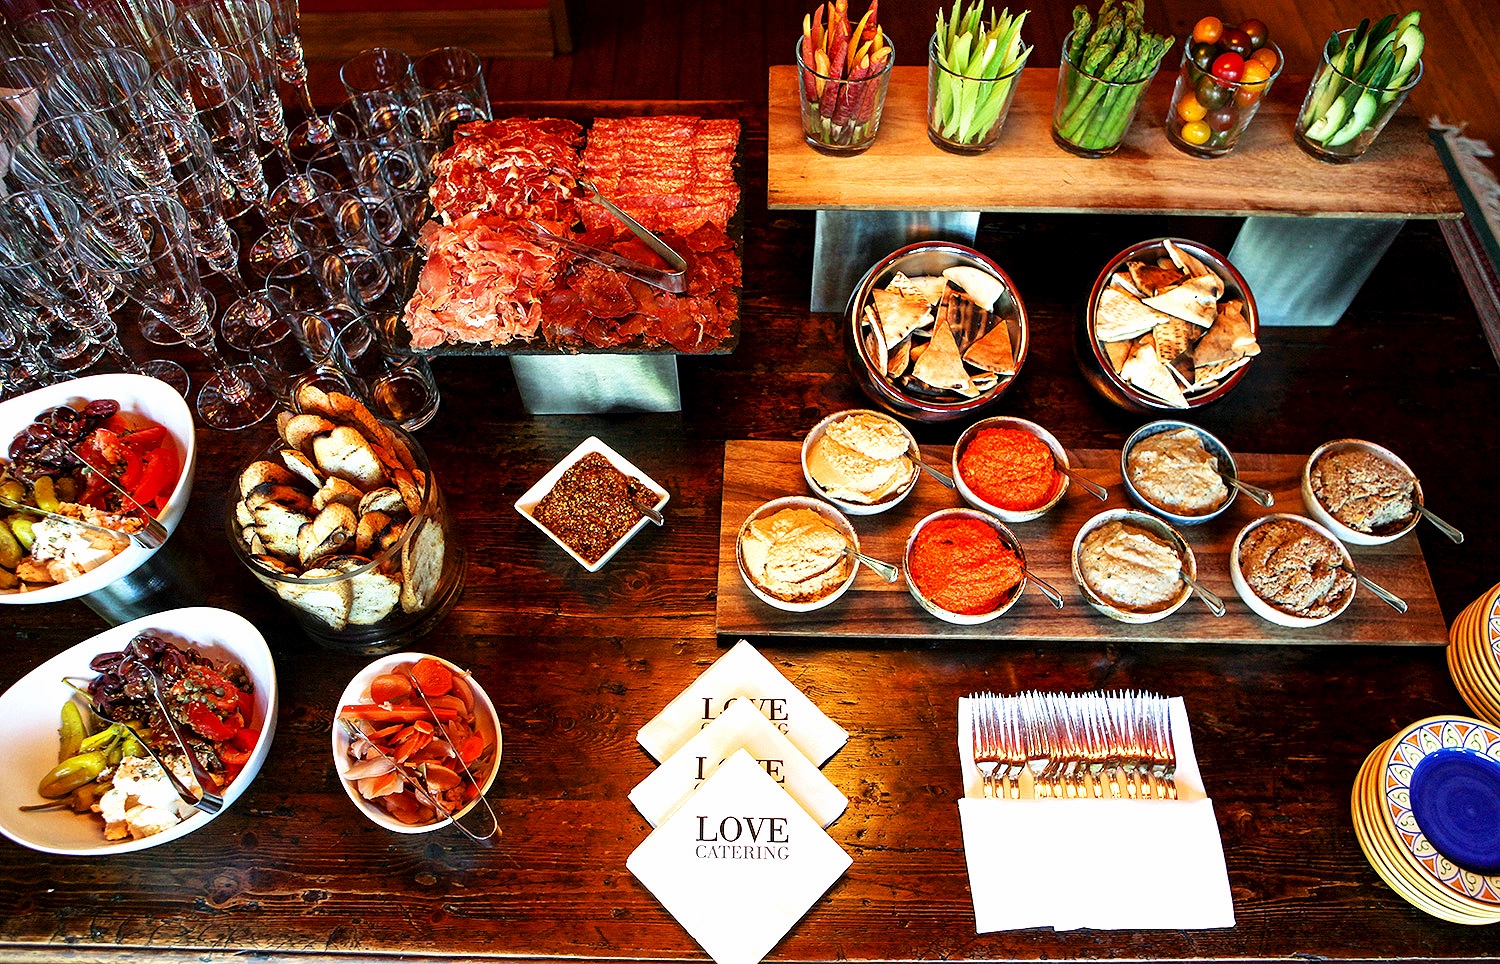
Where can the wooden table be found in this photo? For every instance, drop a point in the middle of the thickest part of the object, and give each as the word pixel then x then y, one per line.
pixel 577 663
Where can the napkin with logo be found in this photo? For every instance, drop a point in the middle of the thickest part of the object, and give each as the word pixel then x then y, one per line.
pixel 739 863
pixel 741 726
pixel 1104 864
pixel 743 673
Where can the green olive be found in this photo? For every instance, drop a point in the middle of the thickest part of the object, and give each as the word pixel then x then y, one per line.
pixel 20 525
pixel 10 549
pixel 72 773
pixel 45 493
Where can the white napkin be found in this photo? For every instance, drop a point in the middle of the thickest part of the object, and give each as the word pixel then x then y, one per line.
pixel 743 673
pixel 1105 864
pixel 741 726
pixel 739 863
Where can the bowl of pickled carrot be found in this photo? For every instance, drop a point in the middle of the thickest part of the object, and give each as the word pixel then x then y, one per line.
pixel 416 742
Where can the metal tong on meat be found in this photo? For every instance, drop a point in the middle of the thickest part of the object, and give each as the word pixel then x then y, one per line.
pixel 673 280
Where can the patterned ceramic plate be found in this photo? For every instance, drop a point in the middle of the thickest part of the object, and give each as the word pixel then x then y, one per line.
pixel 1400 759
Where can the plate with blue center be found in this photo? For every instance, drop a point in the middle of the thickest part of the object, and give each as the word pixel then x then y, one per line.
pixel 1455 796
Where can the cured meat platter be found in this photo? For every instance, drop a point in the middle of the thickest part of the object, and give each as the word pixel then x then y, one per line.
pixel 498 282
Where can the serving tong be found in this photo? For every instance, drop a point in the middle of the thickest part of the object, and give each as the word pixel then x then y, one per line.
pixel 1074 746
pixel 673 280
pixel 418 781
pixel 155 534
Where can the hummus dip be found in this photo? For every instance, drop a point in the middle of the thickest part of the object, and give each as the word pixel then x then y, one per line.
pixel 1363 490
pixel 1130 568
pixel 795 555
pixel 1294 569
pixel 1173 471
pixel 862 458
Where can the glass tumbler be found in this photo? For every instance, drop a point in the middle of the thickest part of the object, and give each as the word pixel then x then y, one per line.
pixel 841 117
pixel 1091 115
pixel 965 114
pixel 1338 134
pixel 1208 114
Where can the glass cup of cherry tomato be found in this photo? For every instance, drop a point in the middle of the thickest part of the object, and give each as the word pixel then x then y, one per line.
pixel 1226 72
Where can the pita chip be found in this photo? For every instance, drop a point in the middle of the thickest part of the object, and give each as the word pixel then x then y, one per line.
pixel 1173 337
pixel 900 314
pixel 929 288
pixel 900 359
pixel 1120 317
pixel 940 365
pixel 1192 267
pixel 1152 280
pixel 1194 300
pixel 983 288
pixel 993 352
pixel 875 345
pixel 1117 352
pixel 1209 375
pixel 979 384
pixel 1144 369
pixel 1123 281
pixel 1229 338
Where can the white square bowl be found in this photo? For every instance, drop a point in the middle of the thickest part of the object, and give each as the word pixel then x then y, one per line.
pixel 526 504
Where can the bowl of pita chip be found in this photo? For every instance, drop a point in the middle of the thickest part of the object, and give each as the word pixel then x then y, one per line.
pixel 340 517
pixel 936 332
pixel 1170 325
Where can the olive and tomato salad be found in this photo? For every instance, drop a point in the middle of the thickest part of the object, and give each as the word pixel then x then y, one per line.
pixel 136 452
pixel 1226 71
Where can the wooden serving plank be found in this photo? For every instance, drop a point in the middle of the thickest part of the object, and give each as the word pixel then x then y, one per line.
pixel 756 472
pixel 1266 174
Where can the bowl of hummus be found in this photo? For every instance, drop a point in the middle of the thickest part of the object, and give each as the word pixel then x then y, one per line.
pixel 1173 468
pixel 1287 570
pixel 862 461
pixel 1129 565
pixel 964 566
pixel 791 553
pixel 1361 491
pixel 1009 467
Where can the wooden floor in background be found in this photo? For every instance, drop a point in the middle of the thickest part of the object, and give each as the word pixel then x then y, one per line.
pixel 722 49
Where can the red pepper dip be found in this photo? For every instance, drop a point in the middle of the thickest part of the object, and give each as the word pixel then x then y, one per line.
pixel 1009 468
pixel 962 565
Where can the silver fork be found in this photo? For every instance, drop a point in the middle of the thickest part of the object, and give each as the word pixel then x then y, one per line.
pixel 1012 747
pixel 1038 750
pixel 1163 750
pixel 986 753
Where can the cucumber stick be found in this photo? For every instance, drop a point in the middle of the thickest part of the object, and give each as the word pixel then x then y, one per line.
pixel 1369 65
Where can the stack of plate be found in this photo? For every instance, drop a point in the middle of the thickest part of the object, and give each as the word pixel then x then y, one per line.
pixel 1427 813
pixel 1474 655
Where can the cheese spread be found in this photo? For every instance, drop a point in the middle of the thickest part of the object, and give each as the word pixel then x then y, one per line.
pixel 141 800
pixel 795 555
pixel 1174 472
pixel 1130 568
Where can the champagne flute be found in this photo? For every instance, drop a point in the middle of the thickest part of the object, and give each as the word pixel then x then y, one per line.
pixel 286 31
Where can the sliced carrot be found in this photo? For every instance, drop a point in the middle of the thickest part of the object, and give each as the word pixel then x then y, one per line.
pixel 470 749
pixel 393 714
pixel 433 677
pixel 389 688
pixel 450 701
pixel 386 731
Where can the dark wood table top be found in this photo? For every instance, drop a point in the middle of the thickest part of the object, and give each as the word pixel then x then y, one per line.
pixel 576 663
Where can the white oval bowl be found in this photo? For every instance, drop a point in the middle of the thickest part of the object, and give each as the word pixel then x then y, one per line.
pixel 358 691
pixel 29 717
pixel 136 393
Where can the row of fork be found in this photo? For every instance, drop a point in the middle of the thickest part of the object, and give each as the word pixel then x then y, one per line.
pixel 1116 744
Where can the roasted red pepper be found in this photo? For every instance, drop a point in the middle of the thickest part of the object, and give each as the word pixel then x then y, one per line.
pixel 157 477
pixel 207 725
pixel 146 439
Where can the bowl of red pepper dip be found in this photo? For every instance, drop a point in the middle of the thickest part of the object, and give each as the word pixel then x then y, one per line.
pixel 964 566
pixel 1009 467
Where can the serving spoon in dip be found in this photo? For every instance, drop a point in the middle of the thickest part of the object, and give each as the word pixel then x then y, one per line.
pixel 940 477
pixel 1092 488
pixel 1443 527
pixel 1386 596
pixel 1044 588
pixel 1261 496
pixel 884 570
pixel 1210 598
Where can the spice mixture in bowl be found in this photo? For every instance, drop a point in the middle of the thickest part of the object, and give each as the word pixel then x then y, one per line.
pixel 1009 467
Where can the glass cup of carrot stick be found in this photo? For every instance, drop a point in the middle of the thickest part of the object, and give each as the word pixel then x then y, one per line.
pixel 840 116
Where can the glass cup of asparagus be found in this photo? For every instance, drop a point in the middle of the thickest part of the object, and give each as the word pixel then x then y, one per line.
pixel 1364 77
pixel 1102 78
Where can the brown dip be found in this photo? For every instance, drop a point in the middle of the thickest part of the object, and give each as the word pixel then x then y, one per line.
pixel 1295 569
pixel 1130 568
pixel 1173 471
pixel 1363 491
pixel 795 555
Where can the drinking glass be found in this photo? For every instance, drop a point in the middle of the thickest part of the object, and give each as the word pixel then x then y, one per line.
pixel 965 114
pixel 450 81
pixel 383 70
pixel 51 35
pixel 1207 114
pixel 116 85
pixel 145 26
pixel 1340 143
pixel 236 396
pixel 298 349
pixel 54 350
pixel 21 105
pixel 209 87
pixel 841 117
pixel 1090 114
pixel 286 32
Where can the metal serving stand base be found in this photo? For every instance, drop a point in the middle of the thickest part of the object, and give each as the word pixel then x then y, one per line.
pixel 846 243
pixel 1306 271
pixel 596 384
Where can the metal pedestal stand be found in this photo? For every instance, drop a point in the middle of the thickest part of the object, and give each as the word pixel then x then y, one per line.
pixel 595 384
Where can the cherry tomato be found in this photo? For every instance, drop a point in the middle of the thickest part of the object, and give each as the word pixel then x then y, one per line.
pixel 1268 57
pixel 1208 30
pixel 1257 31
pixel 1196 133
pixel 1189 109
pixel 1256 73
pixel 1229 66
pixel 1236 40
pixel 1202 54
pixel 1223 119
pixel 1211 93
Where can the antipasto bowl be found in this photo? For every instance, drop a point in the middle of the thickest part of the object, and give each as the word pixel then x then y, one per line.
pixel 378 564
pixel 135 394
pixel 927 600
pixel 1180 349
pixel 30 710
pixel 1369 479
pixel 1145 530
pixel 1171 446
pixel 796 553
pixel 1327 552
pixel 485 723
pixel 861 460
pixel 1050 488
pixel 880 354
